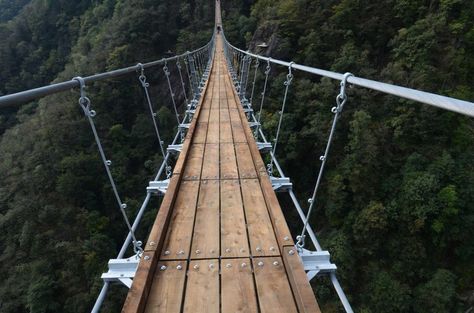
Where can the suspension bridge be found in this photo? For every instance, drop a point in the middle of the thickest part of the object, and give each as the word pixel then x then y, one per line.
pixel 220 242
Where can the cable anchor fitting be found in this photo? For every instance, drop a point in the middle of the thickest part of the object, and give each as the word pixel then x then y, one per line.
pixel 84 101
pixel 341 97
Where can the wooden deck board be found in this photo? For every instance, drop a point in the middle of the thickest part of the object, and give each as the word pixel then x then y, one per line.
pixel 202 288
pixel 234 241
pixel 238 290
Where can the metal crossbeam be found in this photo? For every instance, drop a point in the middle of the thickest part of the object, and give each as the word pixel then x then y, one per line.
pixel 174 149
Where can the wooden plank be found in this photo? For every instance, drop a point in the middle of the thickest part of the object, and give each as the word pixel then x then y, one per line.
pixel 178 239
pixel 200 133
pixel 244 161
pixel 210 166
pixel 193 167
pixel 214 116
pixel 138 293
pixel 261 235
pixel 237 287
pixel 166 293
pixel 226 132
pixel 206 227
pixel 273 289
pixel 213 133
pixel 276 214
pixel 235 116
pixel 234 242
pixel 224 115
pixel 238 132
pixel 302 291
pixel 228 162
pixel 202 288
pixel 204 115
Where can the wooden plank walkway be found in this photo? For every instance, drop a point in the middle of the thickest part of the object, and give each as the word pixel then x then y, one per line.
pixel 220 242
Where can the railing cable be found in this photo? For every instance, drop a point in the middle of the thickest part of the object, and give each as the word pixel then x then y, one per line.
pixel 341 100
pixel 85 104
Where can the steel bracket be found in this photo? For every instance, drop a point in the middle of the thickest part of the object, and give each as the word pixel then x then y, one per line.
pixel 174 149
pixel 158 186
pixel 254 124
pixel 316 263
pixel 281 184
pixel 248 110
pixel 122 270
pixel 184 125
pixel 264 147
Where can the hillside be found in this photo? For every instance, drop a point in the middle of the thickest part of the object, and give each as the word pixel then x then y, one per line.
pixel 396 208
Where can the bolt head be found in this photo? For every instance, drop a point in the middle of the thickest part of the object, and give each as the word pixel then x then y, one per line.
pixel 228 265
pixel 196 266
pixel 286 238
pixel 291 252
pixel 276 263
pixel 146 257
pixel 272 248
pixel 243 264
pixel 152 243
pixel 198 251
pixel 227 250
pixel 167 252
pixel 259 249
pixel 163 267
pixel 260 263
pixel 179 267
pixel 211 266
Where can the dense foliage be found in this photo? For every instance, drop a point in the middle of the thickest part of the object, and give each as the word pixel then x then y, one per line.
pixel 395 210
pixel 58 219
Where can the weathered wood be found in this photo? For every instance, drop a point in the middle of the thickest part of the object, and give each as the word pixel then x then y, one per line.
pixel 226 133
pixel 200 133
pixel 193 168
pixel 234 241
pixel 138 293
pixel 213 133
pixel 261 235
pixel 237 287
pixel 244 161
pixel 302 291
pixel 238 132
pixel 178 239
pixel 228 162
pixel 210 165
pixel 202 287
pixel 166 293
pixel 273 289
pixel 206 227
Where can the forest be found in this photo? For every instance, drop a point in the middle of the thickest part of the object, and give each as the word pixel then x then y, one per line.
pixel 396 205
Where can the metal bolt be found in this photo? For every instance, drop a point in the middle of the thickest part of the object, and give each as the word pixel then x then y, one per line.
pixel 163 267
pixel 272 248
pixel 242 250
pixel 275 263
pixel 228 265
pixel 291 252
pixel 179 267
pixel 146 257
pixel 196 266
pixel 286 238
pixel 180 252
pixel 243 264
pixel 198 251
pixel 152 243
pixel 123 205
pixel 211 266
pixel 259 249
pixel 227 250
pixel 108 162
pixel 212 251
pixel 260 263
pixel 167 252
